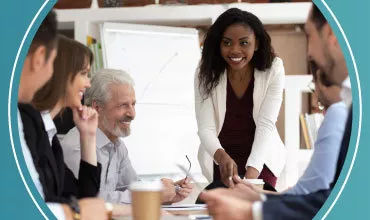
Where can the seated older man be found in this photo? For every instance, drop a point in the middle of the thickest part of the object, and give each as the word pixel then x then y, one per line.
pixel 113 96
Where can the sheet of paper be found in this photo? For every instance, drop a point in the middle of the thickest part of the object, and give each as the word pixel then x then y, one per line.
pixel 185 206
pixel 199 210
pixel 200 217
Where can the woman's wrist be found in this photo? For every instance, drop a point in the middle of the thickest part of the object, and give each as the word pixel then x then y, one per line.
pixel 88 149
pixel 75 208
pixel 87 134
pixel 251 173
pixel 87 140
pixel 68 213
pixel 220 155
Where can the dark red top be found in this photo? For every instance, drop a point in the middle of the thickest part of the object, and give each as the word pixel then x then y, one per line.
pixel 237 133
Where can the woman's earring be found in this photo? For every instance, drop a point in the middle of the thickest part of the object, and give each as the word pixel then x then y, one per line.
pixel 320 106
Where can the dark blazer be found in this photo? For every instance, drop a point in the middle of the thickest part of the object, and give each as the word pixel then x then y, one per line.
pixel 57 180
pixel 64 122
pixel 306 206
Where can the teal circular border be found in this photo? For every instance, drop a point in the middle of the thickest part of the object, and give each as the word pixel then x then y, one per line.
pixel 25 17
pixel 346 201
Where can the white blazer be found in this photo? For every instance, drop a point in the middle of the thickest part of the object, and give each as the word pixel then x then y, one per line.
pixel 267 146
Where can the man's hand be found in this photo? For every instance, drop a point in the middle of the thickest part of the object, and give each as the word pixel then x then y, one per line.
pixel 238 180
pixel 120 210
pixel 221 206
pixel 169 192
pixel 91 209
pixel 246 192
pixel 186 189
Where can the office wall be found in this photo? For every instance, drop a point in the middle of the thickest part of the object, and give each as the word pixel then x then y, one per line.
pixel 290 45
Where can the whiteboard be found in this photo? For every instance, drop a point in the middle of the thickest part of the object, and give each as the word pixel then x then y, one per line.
pixel 162 61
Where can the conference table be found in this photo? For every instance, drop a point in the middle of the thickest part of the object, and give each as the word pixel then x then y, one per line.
pixel 178 215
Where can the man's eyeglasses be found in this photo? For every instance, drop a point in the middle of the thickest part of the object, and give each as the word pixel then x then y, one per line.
pixel 187 174
pixel 177 187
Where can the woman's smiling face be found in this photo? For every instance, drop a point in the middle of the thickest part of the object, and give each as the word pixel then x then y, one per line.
pixel 238 45
pixel 77 87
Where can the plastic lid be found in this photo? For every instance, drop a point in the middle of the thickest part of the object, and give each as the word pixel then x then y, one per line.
pixel 254 181
pixel 146 186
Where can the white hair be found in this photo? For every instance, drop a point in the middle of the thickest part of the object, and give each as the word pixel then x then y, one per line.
pixel 100 82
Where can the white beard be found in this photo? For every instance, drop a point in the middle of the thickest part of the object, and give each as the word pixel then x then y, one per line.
pixel 116 130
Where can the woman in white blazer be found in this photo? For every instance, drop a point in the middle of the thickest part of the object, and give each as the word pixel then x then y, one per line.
pixel 238 95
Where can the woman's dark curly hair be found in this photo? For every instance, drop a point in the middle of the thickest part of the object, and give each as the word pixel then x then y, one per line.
pixel 213 65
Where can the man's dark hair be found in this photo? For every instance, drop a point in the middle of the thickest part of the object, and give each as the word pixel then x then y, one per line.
pixel 317 17
pixel 46 35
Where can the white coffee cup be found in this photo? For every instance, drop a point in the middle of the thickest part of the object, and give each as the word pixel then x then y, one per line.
pixel 146 200
pixel 257 182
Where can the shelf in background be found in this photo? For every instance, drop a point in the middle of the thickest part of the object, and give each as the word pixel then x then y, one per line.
pixel 183 15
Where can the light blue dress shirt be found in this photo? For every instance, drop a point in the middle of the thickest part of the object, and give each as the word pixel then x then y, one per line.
pixel 321 169
pixel 322 162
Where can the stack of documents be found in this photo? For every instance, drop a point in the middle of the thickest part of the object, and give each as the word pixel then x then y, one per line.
pixel 185 207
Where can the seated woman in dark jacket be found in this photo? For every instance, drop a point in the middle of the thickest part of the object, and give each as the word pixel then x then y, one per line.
pixel 64 89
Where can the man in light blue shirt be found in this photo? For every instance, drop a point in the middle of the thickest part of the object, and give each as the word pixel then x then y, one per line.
pixel 321 169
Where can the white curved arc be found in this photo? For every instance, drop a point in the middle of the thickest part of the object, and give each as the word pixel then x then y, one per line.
pixel 360 108
pixel 9 100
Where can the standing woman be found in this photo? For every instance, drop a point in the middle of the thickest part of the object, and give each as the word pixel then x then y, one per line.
pixel 65 89
pixel 238 95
